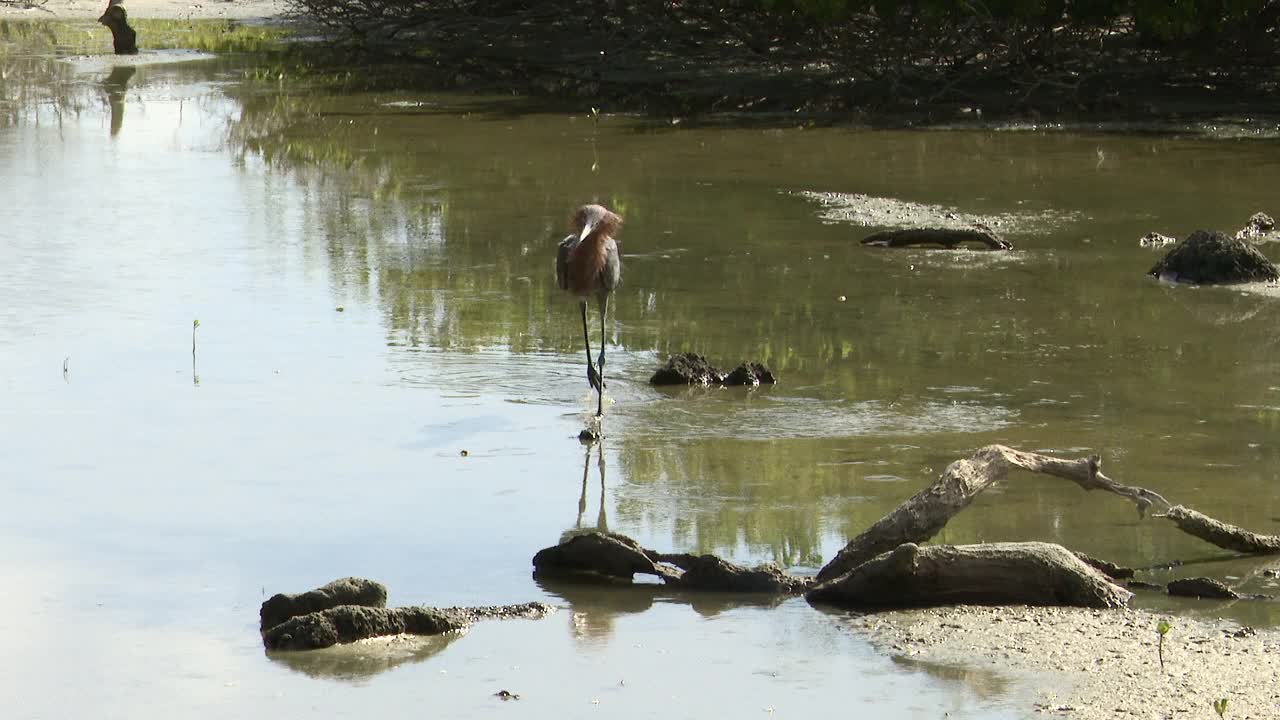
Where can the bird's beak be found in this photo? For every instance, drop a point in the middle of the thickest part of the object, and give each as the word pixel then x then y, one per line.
pixel 586 230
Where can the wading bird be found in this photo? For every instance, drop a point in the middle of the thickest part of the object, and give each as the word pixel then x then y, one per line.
pixel 587 265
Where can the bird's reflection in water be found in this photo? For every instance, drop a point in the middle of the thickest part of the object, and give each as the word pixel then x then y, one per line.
pixel 602 519
pixel 116 85
pixel 596 601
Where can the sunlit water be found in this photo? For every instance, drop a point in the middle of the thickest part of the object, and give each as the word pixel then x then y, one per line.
pixel 372 277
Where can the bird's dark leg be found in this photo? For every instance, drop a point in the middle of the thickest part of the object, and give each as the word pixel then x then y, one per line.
pixel 604 310
pixel 593 377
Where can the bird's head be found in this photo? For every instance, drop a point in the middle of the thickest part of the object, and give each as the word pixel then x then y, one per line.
pixel 590 219
pixel 114 14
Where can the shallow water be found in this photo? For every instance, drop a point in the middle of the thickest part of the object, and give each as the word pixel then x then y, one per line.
pixel 152 499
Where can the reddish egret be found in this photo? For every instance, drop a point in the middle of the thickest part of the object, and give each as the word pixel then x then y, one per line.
pixel 588 265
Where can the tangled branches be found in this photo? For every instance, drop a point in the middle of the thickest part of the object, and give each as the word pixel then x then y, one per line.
pixel 693 56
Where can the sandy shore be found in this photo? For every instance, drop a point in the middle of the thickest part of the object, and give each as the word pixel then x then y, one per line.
pixel 164 9
pixel 1091 664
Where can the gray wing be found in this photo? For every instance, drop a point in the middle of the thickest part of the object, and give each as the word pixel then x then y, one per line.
pixel 611 276
pixel 562 261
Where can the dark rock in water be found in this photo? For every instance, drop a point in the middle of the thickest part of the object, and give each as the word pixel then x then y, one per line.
pixel 597 553
pixel 347 591
pixel 600 556
pixel 1259 225
pixel 347 623
pixel 693 369
pixel 1214 257
pixel 1201 587
pixel 687 369
pixel 750 374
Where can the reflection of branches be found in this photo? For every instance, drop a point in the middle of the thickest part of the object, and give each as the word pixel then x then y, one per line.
pixel 740 55
pixel 26 4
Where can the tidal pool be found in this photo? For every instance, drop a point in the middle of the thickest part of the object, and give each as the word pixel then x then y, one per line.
pixel 372 273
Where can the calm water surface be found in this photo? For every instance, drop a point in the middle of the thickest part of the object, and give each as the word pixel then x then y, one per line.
pixel 151 503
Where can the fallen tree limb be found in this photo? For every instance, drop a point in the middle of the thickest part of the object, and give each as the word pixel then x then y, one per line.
pixel 928 511
pixel 993 574
pixel 1222 534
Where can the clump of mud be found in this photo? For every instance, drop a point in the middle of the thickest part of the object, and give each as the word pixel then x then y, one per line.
pixel 694 369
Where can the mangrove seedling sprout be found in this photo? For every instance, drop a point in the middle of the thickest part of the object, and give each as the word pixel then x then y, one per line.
pixel 195 325
pixel 1220 707
pixel 1163 629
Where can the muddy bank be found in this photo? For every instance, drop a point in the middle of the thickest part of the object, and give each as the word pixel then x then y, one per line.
pixel 1095 664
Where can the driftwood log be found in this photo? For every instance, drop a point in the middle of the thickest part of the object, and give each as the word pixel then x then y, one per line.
pixel 999 573
pixel 928 511
pixel 1221 534
pixel 949 238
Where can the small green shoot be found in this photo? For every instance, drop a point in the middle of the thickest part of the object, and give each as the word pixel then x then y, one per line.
pixel 1163 629
pixel 1220 707
pixel 195 325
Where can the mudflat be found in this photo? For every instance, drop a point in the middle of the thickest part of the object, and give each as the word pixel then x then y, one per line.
pixel 1096 664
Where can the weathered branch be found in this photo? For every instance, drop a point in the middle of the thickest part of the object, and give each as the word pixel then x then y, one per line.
pixel 1222 534
pixel 996 573
pixel 928 511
